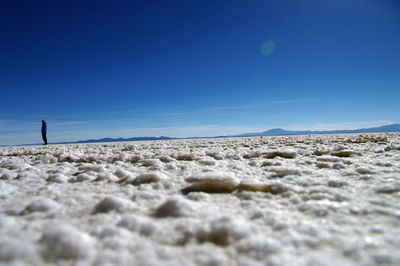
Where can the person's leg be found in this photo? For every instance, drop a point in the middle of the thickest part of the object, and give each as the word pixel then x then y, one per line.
pixel 44 138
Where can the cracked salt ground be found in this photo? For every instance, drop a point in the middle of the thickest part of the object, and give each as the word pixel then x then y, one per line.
pixel 294 200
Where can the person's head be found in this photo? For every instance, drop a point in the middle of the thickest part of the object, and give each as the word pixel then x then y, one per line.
pixel 43 122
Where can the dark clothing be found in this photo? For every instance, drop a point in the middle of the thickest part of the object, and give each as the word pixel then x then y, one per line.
pixel 44 137
pixel 44 132
pixel 44 128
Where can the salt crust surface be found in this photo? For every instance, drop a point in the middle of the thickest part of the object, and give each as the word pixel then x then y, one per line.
pixel 295 200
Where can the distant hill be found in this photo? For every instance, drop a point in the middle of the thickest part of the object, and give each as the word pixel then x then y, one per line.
pixel 115 140
pixel 122 139
pixel 282 132
pixel 271 132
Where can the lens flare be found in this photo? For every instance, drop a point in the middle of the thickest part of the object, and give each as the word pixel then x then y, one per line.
pixel 268 48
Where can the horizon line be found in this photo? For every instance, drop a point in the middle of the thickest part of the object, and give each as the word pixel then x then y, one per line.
pixel 249 134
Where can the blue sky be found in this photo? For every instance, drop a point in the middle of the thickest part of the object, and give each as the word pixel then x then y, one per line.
pixel 96 69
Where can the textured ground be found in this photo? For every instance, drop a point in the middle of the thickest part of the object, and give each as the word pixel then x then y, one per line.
pixel 296 200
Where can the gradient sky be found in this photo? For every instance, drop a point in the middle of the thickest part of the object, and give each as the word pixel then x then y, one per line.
pixel 96 69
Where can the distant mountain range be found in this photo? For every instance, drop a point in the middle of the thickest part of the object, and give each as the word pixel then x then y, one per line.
pixel 120 139
pixel 271 132
pixel 282 132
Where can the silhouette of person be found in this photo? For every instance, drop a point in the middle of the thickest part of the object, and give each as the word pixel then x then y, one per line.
pixel 44 132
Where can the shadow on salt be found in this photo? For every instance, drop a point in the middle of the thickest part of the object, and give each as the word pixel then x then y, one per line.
pixel 222 182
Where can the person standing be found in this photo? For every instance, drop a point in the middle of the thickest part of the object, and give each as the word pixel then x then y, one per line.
pixel 44 132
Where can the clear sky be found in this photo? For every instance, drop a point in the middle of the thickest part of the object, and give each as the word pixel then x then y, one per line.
pixel 95 69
